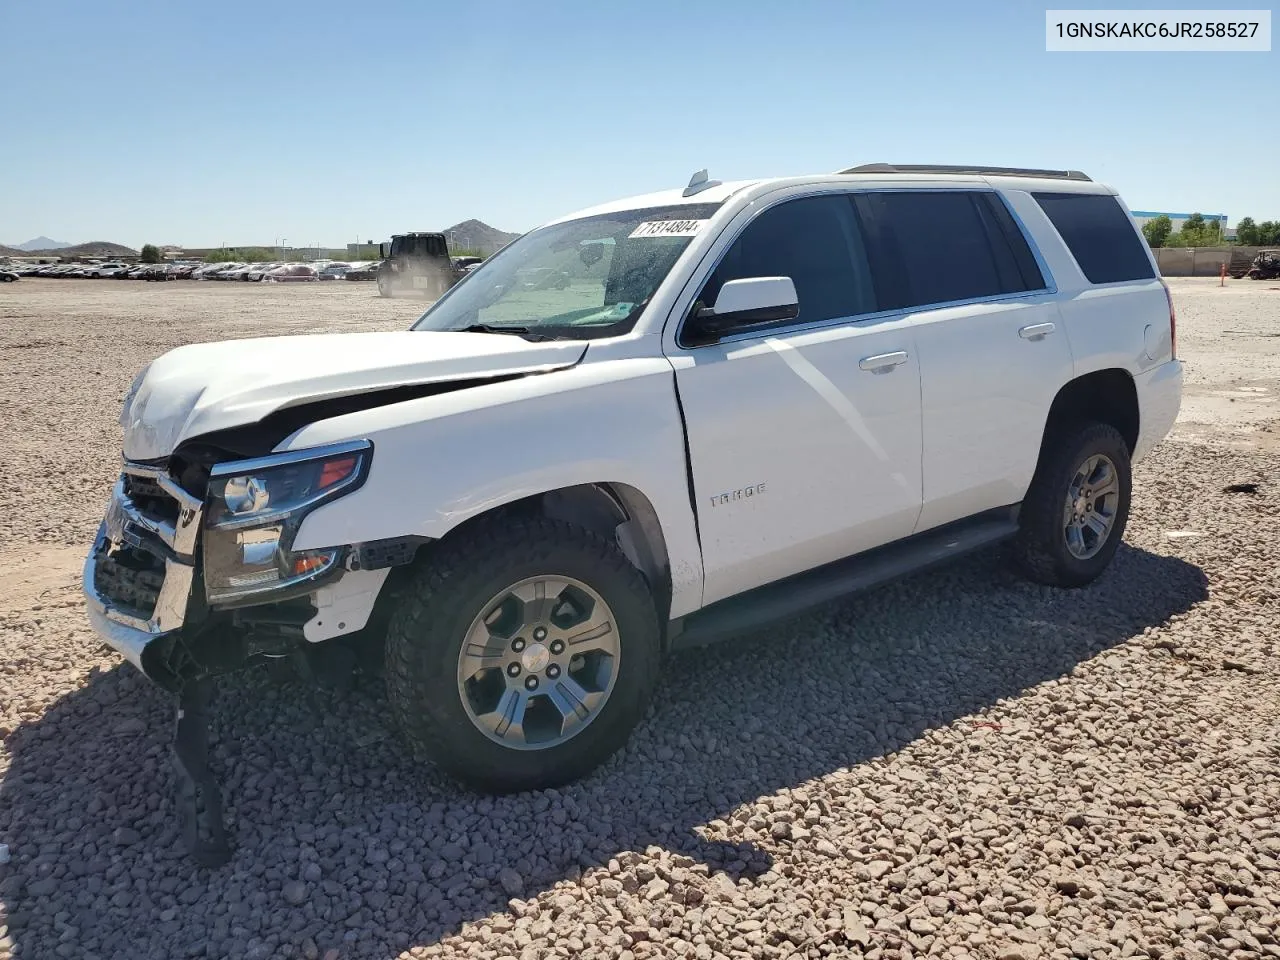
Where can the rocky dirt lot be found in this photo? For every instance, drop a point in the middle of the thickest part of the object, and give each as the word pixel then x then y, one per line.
pixel 961 764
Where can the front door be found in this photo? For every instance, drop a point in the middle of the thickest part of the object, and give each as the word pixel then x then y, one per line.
pixel 804 441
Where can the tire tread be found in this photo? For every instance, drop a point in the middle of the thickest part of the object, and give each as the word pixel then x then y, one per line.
pixel 1037 549
pixel 444 579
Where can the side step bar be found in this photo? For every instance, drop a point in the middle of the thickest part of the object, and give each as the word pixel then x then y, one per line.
pixel 786 598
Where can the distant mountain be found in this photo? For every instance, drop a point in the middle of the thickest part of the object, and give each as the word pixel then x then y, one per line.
pixel 42 243
pixel 11 251
pixel 95 248
pixel 477 235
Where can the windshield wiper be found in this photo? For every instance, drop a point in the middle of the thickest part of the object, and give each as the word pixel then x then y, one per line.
pixel 517 329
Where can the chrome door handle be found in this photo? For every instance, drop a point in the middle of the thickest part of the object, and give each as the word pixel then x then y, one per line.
pixel 884 362
pixel 1037 331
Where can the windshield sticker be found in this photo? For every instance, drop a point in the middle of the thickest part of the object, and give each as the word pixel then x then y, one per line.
pixel 668 228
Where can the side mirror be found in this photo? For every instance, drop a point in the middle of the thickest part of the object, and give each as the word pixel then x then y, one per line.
pixel 743 305
pixel 384 250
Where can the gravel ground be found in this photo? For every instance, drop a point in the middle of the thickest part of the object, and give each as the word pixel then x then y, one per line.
pixel 957 764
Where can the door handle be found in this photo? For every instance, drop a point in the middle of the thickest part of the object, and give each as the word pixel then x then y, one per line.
pixel 884 362
pixel 1037 331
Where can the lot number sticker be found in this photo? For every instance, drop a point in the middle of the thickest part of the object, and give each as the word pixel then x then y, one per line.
pixel 668 228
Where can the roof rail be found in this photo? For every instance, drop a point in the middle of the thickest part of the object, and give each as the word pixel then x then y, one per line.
pixel 974 169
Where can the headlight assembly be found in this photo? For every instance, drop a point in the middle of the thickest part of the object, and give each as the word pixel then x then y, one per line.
pixel 254 510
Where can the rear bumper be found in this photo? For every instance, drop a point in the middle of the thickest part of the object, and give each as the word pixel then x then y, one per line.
pixel 1159 399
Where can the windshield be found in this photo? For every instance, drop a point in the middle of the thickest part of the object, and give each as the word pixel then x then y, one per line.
pixel 575 280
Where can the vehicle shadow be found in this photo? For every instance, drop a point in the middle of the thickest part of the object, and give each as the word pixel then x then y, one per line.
pixel 390 855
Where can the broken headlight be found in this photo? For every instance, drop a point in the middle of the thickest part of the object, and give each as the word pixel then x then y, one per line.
pixel 253 513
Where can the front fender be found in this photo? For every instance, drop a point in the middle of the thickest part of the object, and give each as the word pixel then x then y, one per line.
pixel 439 461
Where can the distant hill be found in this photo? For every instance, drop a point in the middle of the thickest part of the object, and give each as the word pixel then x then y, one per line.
pixel 42 244
pixel 477 235
pixel 11 251
pixel 95 248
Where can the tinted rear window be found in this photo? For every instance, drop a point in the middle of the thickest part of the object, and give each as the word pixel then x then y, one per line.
pixel 941 246
pixel 1099 235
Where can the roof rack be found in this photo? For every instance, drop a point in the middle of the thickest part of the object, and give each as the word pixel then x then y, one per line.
pixel 974 169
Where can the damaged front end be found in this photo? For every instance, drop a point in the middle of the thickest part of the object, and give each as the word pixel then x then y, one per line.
pixel 193 574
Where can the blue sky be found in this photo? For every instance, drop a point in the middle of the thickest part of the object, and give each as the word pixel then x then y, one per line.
pixel 242 122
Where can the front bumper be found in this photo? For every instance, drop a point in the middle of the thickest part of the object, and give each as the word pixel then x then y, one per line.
pixel 139 576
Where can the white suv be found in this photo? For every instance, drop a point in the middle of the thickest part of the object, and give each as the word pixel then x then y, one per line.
pixel 738 400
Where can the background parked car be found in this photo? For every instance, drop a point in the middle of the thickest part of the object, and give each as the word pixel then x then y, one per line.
pixel 258 271
pixel 333 271
pixel 232 272
pixel 363 271
pixel 8 276
pixel 292 273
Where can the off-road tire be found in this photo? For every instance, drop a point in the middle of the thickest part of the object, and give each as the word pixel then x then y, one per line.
pixel 384 287
pixel 1040 548
pixel 426 633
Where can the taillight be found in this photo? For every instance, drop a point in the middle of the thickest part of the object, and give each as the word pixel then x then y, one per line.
pixel 1173 322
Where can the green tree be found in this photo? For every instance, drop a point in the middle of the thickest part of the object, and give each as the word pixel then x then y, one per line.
pixel 1157 231
pixel 1247 232
pixel 241 255
pixel 150 253
pixel 1197 232
pixel 1269 233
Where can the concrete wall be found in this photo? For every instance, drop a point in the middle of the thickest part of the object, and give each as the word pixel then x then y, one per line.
pixel 1199 261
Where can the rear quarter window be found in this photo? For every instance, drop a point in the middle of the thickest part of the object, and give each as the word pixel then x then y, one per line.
pixel 1099 234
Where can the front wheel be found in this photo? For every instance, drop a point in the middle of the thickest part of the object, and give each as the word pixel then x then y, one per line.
pixel 1074 515
pixel 523 655
pixel 384 286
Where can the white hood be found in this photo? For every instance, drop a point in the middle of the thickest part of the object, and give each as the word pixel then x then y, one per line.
pixel 204 387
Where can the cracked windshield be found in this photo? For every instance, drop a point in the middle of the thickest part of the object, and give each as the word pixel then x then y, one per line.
pixel 583 278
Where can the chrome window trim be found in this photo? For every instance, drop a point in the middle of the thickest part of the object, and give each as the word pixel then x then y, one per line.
pixel 701 275
pixel 867 318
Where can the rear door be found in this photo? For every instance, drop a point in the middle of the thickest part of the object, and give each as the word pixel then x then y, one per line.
pixel 989 340
pixel 804 440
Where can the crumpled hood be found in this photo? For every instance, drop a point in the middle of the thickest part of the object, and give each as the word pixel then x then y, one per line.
pixel 204 387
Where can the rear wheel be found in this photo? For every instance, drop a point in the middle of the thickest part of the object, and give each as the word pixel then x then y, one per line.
pixel 1074 515
pixel 523 655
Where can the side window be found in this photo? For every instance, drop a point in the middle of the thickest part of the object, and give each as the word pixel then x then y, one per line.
pixel 940 246
pixel 1099 234
pixel 1019 271
pixel 817 243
